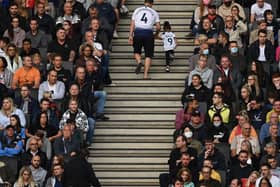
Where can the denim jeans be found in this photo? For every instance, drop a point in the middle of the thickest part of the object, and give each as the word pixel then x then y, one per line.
pixel 105 65
pixel 101 99
pixel 90 132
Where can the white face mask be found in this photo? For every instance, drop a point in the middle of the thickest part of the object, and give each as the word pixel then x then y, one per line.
pixel 188 134
pixel 217 124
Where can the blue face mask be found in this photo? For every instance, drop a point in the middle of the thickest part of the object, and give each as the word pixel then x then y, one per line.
pixel 234 50
pixel 205 52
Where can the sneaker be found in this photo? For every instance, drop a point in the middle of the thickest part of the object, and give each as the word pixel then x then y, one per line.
pixel 138 68
pixel 102 117
pixel 115 35
pixel 167 68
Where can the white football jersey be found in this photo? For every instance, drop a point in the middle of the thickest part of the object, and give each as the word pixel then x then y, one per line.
pixel 145 18
pixel 168 41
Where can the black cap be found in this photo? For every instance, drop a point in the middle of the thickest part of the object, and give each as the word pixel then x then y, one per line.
pixel 196 113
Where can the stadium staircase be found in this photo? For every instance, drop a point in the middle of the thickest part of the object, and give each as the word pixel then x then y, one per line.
pixel 132 148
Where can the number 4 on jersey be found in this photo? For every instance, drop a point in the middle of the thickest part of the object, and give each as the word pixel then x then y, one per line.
pixel 144 18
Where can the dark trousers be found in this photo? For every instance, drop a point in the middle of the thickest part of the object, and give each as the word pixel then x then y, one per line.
pixel 169 57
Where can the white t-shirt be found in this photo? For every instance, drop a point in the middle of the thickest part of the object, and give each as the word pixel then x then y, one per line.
pixel 255 9
pixel 145 18
pixel 275 181
pixel 262 55
pixel 168 41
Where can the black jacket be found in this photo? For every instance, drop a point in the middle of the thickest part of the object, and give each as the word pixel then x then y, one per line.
pixel 254 51
pixel 26 158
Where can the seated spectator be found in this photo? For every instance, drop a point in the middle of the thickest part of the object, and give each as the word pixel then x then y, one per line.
pixel 197 89
pixel 33 150
pixel 235 183
pixel 203 71
pixel 275 169
pixel 275 109
pixel 199 12
pixel 37 37
pixel 52 113
pixel 221 108
pixel 26 75
pixel 235 12
pixel 256 113
pixel 270 150
pixel 203 49
pixel 19 130
pixel 267 176
pixel 70 32
pixel 62 46
pixel 6 75
pixel 86 52
pixel 25 178
pixel 79 172
pixel 63 74
pixel 207 30
pixel 15 33
pixel 39 174
pixel 238 61
pixel 264 132
pixel 53 86
pixel 273 136
pixel 82 122
pixel 229 77
pixel 65 145
pixel 10 145
pixel 184 115
pixel 255 88
pixel 275 87
pixel 214 174
pixel 13 59
pixel 235 29
pixel 235 146
pixel 245 97
pixel 50 131
pixel 7 110
pixel 186 175
pixel 271 24
pixel 207 180
pixel 40 65
pixel 256 68
pixel 197 126
pixel 212 153
pixel 27 103
pixel 27 49
pixel 254 35
pixel 219 88
pixel 258 9
pixel 4 41
pixel 45 21
pixel 251 180
pixel 218 130
pixel 97 50
pixel 56 177
pixel 225 9
pixel 192 142
pixel 221 47
pixel 178 182
pixel 43 143
pixel 216 20
pixel 242 169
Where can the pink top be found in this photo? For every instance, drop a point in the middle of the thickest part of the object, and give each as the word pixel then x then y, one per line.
pixel 277 54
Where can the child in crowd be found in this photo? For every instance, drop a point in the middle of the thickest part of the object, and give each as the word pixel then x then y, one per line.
pixel 169 44
pixel 186 175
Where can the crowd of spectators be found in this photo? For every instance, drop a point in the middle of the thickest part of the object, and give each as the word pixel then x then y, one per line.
pixel 228 130
pixel 54 63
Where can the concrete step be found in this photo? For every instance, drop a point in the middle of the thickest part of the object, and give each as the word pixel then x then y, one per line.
pixel 142 167
pixel 133 159
pixel 166 7
pixel 156 62
pixel 134 124
pixel 133 132
pixel 157 55
pixel 176 20
pixel 133 139
pixel 127 69
pixel 143 104
pixel 137 110
pixel 154 76
pixel 143 117
pixel 183 42
pixel 127 174
pixel 131 146
pixel 129 182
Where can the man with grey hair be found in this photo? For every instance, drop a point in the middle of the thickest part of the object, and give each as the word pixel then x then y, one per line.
pixel 271 150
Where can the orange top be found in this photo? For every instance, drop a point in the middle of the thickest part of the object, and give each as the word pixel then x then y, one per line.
pixel 237 131
pixel 30 77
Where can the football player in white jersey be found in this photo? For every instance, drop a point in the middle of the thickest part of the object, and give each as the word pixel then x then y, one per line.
pixel 141 34
pixel 169 44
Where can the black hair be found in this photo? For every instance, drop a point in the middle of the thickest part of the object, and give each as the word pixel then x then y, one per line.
pixel 149 1
pixel 26 40
pixel 177 179
pixel 262 31
pixel 44 99
pixel 5 39
pixel 18 125
pixel 5 63
pixel 267 180
pixel 166 25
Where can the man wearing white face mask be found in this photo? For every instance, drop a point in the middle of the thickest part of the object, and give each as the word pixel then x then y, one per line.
pixel 238 61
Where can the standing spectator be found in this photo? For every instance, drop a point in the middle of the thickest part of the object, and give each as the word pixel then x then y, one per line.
pixel 13 59
pixel 141 34
pixel 203 71
pixel 9 109
pixel 25 178
pixel 266 173
pixel 53 86
pixel 45 21
pixel 26 75
pixel 6 75
pixel 258 9
pixel 37 36
pixel 207 30
pixel 225 9
pixel 15 33
pixel 39 174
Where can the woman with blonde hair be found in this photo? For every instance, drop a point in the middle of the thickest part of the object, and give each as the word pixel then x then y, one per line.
pixel 245 97
pixel 12 57
pixel 25 178
pixel 253 83
pixel 251 180
pixel 7 110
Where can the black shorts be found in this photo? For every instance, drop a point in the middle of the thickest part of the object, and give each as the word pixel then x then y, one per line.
pixel 148 42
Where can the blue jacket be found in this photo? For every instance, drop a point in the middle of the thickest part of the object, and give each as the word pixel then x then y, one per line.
pixel 264 132
pixel 10 147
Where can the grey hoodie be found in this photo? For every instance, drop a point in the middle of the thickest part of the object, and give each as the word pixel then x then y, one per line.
pixel 206 75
